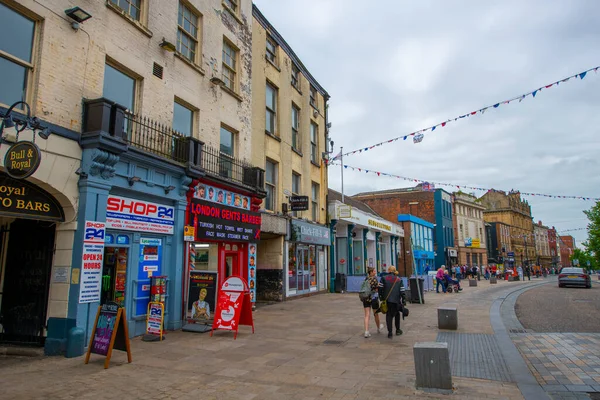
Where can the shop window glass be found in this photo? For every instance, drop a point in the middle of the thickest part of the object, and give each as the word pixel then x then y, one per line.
pixel 383 256
pixel 341 245
pixel 292 273
pixel 312 256
pixel 359 263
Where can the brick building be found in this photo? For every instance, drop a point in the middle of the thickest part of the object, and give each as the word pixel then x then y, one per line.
pixel 433 206
pixel 567 245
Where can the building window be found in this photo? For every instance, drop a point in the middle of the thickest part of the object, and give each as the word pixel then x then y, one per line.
pixel 271 185
pixel 271 50
pixel 295 127
pixel 227 152
pixel 295 76
pixel 183 119
pixel 232 5
pixel 314 137
pixel 229 65
pixel 16 55
pixel 295 188
pixel 271 103
pixel 313 97
pixel 130 7
pixel 314 190
pixel 119 87
pixel 187 32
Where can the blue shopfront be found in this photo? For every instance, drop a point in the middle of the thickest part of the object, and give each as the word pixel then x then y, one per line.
pixel 139 195
pixel 420 247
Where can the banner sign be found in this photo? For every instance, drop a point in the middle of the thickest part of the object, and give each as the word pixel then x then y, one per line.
pixel 217 195
pixel 202 296
pixel 110 332
pixel 310 233
pixel 92 262
pixel 150 261
pixel 23 199
pixel 218 222
pixel 233 306
pixel 252 271
pixel 137 215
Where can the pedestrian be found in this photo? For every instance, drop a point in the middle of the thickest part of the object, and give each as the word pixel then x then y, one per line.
pixel 392 294
pixel 474 272
pixel 449 281
pixel 520 272
pixel 457 273
pixel 372 302
pixel 487 273
pixel 439 279
pixel 528 272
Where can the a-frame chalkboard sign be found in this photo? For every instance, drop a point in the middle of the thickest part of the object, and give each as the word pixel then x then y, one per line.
pixel 110 332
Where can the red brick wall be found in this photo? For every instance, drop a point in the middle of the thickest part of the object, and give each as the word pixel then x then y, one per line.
pixel 390 205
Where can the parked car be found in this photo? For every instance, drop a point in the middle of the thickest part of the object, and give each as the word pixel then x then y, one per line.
pixel 570 276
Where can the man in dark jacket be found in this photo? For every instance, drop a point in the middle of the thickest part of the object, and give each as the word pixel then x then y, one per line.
pixel 393 292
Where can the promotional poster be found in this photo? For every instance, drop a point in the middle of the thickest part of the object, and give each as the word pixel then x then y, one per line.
pixel 201 296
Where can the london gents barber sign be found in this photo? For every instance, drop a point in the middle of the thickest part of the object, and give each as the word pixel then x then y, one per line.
pixel 22 160
pixel 218 222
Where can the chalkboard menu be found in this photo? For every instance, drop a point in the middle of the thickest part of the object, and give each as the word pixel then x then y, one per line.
pixel 110 332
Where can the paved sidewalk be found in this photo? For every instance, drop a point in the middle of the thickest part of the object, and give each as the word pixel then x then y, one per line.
pixel 303 349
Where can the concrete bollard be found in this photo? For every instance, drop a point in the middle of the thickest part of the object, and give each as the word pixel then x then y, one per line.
pixel 447 318
pixel 432 366
pixel 511 278
pixel 493 280
pixel 472 282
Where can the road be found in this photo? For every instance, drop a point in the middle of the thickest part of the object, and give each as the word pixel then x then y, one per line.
pixel 549 308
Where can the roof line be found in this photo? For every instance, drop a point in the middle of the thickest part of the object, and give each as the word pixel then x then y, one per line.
pixel 286 47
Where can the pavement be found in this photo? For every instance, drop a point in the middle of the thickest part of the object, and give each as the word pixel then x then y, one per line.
pixel 310 348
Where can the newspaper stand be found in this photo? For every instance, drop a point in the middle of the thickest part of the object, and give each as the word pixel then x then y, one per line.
pixel 234 307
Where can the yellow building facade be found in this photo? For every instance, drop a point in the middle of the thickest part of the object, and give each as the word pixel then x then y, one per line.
pixel 289 128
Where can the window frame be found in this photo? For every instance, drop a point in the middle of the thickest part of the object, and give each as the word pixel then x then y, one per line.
pixel 236 6
pixel 137 79
pixel 314 201
pixel 225 159
pixel 271 185
pixel 314 144
pixel 275 98
pixel 295 81
pixel 226 67
pixel 296 137
pixel 297 176
pixel 128 12
pixel 197 40
pixel 273 53
pixel 187 106
pixel 314 97
pixel 28 66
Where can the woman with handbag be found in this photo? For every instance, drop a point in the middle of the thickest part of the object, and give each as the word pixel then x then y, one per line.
pixel 392 299
pixel 372 302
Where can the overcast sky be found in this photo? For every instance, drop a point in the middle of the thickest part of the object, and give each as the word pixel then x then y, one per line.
pixel 393 67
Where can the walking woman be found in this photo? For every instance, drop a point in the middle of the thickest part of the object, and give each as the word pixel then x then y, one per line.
pixel 373 302
pixel 392 293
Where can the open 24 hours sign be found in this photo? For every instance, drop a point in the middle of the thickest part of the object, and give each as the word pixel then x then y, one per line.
pixel 137 215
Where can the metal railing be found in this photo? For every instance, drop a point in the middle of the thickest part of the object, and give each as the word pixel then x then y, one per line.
pixel 224 166
pixel 153 137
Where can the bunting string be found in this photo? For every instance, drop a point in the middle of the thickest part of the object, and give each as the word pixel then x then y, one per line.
pixel 429 185
pixel 418 135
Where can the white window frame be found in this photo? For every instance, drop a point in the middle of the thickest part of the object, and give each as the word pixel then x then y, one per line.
pixel 272 185
pixel 230 70
pixel 181 30
pixel 314 143
pixel 315 192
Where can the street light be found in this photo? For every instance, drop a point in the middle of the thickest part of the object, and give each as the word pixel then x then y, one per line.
pixel 20 124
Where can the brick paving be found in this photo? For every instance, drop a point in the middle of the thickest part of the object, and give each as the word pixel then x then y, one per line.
pixel 310 348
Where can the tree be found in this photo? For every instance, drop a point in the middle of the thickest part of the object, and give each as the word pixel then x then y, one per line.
pixel 593 242
pixel 583 257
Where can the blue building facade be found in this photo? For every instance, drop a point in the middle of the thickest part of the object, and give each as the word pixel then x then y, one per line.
pixel 421 242
pixel 444 228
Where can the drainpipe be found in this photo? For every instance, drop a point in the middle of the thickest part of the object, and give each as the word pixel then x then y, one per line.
pixel 332 251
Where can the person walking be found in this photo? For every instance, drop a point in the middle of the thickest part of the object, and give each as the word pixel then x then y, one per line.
pixel 457 273
pixel 528 272
pixel 520 272
pixel 372 302
pixel 392 294
pixel 439 279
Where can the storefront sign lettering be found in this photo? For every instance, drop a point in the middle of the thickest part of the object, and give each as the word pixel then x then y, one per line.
pixel 310 233
pixel 218 222
pixel 380 225
pixel 22 159
pixel 24 200
pixel 138 215
pixel 92 260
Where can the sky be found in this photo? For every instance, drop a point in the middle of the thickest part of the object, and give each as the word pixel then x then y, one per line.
pixel 393 67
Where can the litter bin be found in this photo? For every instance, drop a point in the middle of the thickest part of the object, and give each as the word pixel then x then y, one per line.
pixel 340 282
pixel 414 291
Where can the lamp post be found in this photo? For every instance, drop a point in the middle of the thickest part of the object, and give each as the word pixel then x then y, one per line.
pixel 20 124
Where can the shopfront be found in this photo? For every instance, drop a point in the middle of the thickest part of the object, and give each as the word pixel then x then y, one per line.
pixel 222 241
pixel 307 258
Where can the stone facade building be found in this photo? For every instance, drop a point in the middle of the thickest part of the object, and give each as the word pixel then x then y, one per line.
pixel 509 209
pixel 542 245
pixel 469 230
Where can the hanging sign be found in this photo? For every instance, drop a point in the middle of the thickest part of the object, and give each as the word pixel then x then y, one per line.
pixel 22 159
pixel 92 261
pixel 299 203
pixel 233 306
pixel 110 332
pixel 155 319
pixel 22 199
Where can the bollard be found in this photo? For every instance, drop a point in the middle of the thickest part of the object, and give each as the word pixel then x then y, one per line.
pixel 493 280
pixel 472 282
pixel 511 278
pixel 432 365
pixel 75 342
pixel 447 318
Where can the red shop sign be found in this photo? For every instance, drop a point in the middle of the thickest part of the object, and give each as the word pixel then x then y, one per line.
pixel 234 307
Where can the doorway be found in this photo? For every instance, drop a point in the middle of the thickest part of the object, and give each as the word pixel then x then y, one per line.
pixel 232 266
pixel 26 281
pixel 303 269
pixel 114 275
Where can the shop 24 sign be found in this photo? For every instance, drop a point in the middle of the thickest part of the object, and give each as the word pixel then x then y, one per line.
pixel 138 215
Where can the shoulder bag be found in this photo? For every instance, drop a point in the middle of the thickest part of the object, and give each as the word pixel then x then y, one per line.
pixel 383 306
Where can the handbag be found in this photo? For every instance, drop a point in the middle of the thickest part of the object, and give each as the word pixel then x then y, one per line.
pixel 383 306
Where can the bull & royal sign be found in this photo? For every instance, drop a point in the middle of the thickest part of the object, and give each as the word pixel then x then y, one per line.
pixel 22 159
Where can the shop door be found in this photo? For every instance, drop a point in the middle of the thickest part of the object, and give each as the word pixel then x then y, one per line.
pixel 303 269
pixel 26 281
pixel 232 266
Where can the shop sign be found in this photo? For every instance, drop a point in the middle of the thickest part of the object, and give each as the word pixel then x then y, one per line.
pixel 137 215
pixel 310 233
pixel 154 319
pixel 357 217
pixel 218 222
pixel 299 203
pixel 22 159
pixel 233 306
pixel 472 242
pixel 189 233
pixel 92 262
pixel 202 296
pixel 109 333
pixel 150 261
pixel 213 194
pixel 345 211
pixel 22 199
